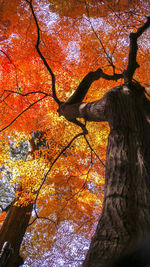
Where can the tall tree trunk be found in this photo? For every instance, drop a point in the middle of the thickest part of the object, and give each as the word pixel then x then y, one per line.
pixel 13 231
pixel 125 217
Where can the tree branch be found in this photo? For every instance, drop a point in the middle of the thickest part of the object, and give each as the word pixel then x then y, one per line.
pixel 108 57
pixel 132 63
pixel 41 217
pixel 41 55
pixel 71 108
pixel 22 113
pixel 18 93
pixel 92 150
pixel 13 65
pixel 51 166
pixel 85 84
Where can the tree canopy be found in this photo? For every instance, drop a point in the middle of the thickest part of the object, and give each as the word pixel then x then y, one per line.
pixel 46 49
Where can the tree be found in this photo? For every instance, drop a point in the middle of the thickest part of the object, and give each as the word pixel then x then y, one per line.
pixel 127 110
pixel 125 215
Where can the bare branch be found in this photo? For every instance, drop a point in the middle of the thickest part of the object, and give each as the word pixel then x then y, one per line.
pixel 22 113
pixel 132 63
pixel 69 109
pixel 52 164
pixel 41 55
pixel 4 97
pixel 108 57
pixel 13 65
pixel 18 93
pixel 94 151
pixel 32 221
pixel 85 84
pixel 147 93
pixel 41 217
pixel 45 177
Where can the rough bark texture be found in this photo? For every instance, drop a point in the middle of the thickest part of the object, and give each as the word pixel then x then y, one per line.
pixel 125 217
pixel 13 231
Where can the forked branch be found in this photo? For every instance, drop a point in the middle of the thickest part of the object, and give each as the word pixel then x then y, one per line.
pixel 132 62
pixel 108 57
pixel 85 84
pixel 41 55
pixel 83 87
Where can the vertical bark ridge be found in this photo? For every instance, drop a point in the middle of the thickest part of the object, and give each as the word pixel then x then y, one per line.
pixel 125 215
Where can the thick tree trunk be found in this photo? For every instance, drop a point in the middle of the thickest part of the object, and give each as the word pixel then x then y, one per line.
pixel 13 231
pixel 125 217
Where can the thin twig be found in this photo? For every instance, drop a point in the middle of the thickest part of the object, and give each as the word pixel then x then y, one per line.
pixel 94 151
pixel 52 164
pixel 41 217
pixel 109 58
pixel 12 64
pixel 22 113
pixel 18 93
pixel 132 63
pixel 82 187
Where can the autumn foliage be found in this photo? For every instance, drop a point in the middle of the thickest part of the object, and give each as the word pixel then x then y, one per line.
pixel 61 173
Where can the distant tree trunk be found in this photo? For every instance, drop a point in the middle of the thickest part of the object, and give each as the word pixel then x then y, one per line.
pixel 17 220
pixel 125 217
pixel 13 231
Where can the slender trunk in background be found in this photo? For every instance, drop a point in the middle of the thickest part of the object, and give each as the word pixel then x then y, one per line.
pixel 13 231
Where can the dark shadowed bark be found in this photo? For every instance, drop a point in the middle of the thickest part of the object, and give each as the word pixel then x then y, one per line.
pixel 15 226
pixel 125 217
pixel 13 231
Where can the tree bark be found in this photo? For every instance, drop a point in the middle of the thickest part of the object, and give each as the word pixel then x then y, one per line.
pixel 125 217
pixel 13 231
